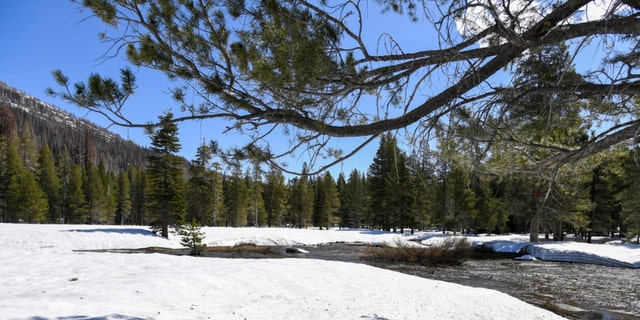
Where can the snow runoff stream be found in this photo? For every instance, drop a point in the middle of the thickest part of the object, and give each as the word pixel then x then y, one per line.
pixel 576 291
pixel 573 290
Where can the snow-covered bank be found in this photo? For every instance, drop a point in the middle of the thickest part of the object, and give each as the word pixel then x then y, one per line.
pixel 614 254
pixel 43 278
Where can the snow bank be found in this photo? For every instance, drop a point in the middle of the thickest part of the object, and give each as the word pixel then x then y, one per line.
pixel 43 278
pixel 615 255
pixel 612 254
pixel 504 243
pixel 293 237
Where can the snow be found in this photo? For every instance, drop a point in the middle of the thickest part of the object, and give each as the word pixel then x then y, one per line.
pixel 613 253
pixel 44 276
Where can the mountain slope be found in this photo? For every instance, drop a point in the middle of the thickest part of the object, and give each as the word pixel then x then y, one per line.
pixel 63 132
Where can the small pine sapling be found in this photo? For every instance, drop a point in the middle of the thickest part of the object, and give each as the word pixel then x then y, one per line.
pixel 192 237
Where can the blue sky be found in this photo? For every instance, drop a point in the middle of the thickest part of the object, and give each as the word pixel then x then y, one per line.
pixel 39 36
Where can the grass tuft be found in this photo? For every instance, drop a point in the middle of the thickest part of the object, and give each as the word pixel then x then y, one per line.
pixel 245 247
pixel 451 251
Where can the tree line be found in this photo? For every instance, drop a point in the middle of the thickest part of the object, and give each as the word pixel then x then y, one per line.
pixel 397 192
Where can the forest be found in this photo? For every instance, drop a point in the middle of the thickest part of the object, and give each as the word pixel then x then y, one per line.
pixel 439 190
pixel 553 150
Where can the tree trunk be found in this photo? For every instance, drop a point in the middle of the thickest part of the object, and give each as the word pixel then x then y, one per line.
pixel 534 229
pixel 165 225
pixel 557 230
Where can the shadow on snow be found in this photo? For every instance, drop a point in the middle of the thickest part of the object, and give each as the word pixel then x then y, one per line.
pixel 108 317
pixel 139 231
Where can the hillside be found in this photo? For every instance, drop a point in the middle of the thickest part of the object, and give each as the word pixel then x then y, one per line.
pixel 84 140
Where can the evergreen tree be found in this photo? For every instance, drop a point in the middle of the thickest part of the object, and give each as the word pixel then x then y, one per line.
pixel 123 199
pixel 110 185
pixel 200 192
pixel 491 214
pixel 405 197
pixel 139 196
pixel 4 179
pixel 307 65
pixel 355 200
pixel 96 196
pixel 256 212
pixel 540 123
pixel 166 198
pixel 343 217
pixel 300 202
pixel 28 149
pixel 606 185
pixel 236 199
pixel 425 185
pixel 26 202
pixel 76 207
pixel 218 194
pixel 629 199
pixel 50 182
pixel 461 200
pixel 275 196
pixel 392 198
pixel 192 237
pixel 327 201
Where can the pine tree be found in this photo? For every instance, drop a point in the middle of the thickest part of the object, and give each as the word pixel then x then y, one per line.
pixel 26 202
pixel 326 202
pixel 491 214
pixel 542 124
pixel 50 182
pixel 275 196
pixel 192 237
pixel 28 149
pixel 425 185
pixel 629 199
pixel 607 183
pixel 460 198
pixel 300 201
pixel 4 180
pixel 236 199
pixel 256 212
pixel 200 192
pixel 356 200
pixel 218 195
pixel 77 210
pixel 139 196
pixel 392 198
pixel 123 199
pixel 95 194
pixel 166 198
pixel 343 217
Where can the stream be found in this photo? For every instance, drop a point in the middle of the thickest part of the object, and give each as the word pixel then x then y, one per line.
pixel 575 291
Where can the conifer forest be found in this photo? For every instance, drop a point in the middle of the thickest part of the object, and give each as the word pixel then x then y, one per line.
pixel 61 178
pixel 497 124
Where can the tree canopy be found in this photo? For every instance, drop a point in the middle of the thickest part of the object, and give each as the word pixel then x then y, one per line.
pixel 317 70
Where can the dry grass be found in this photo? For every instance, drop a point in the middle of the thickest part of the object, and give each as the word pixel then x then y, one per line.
pixel 452 251
pixel 245 248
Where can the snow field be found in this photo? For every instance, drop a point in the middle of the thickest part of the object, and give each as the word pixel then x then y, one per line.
pixel 43 278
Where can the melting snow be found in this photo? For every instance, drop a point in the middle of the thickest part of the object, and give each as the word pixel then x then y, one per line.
pixel 45 278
